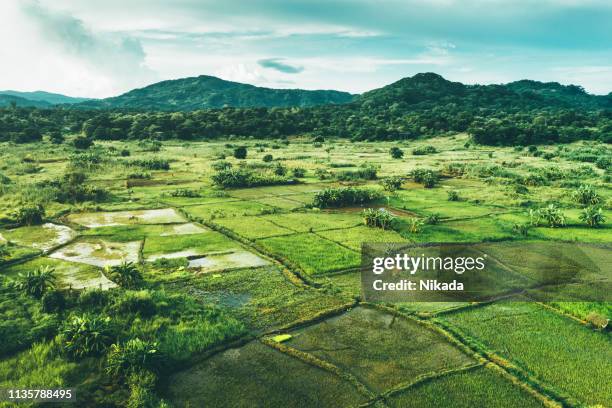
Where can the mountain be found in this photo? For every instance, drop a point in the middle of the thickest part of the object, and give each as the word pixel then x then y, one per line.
pixel 205 92
pixel 42 96
pixel 429 90
pixel 7 100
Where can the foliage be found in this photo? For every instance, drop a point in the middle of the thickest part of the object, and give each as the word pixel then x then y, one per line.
pixel 240 152
pixel 240 178
pixel 153 163
pixel 432 219
pixel 392 183
pixel 32 214
pixel 82 142
pixel 298 172
pixel 37 282
pixel 521 229
pixel 586 195
pixel 378 218
pixel 593 216
pixel 423 150
pixel 133 356
pixel 396 152
pixel 365 172
pixel 344 196
pixel 415 225
pixel 126 274
pixel 428 178
pixel 550 216
pixel 453 195
pixel 86 335
pixel 53 301
pixel 267 158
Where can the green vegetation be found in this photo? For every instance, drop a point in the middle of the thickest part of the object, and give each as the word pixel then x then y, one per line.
pixel 344 197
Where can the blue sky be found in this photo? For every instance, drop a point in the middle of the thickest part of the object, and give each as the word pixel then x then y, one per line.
pixel 103 48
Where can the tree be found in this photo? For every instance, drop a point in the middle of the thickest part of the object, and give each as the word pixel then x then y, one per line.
pixel 396 152
pixel 240 152
pixel 267 158
pixel 56 137
pixel 392 183
pixel 586 195
pixel 379 218
pixel 126 274
pixel 87 335
pixel 551 216
pixel 593 216
pixel 36 283
pixel 82 142
pixel 32 214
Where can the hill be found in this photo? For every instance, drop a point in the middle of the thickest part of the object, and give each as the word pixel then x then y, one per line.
pixel 7 100
pixel 204 92
pixel 42 96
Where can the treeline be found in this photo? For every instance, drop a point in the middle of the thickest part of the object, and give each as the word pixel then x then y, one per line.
pixel 415 107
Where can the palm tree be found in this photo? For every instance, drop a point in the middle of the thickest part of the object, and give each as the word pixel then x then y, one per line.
pixel 36 283
pixel 593 216
pixel 125 274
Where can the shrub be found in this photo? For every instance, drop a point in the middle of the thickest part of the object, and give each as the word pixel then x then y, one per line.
pixel 366 172
pixel 124 153
pixel 423 150
pixel 344 196
pixel 521 229
pixel 93 298
pixel 53 301
pixel 4 252
pixel 551 216
pixel 597 320
pixel 154 163
pixel 323 174
pixel 586 195
pixel 132 357
pixel 298 172
pixel 221 165
pixel 37 282
pixel 521 189
pixel 267 158
pixel 432 219
pixel 592 216
pixel 86 335
pixel 318 139
pixel 603 162
pixel 240 178
pixel 415 225
pixel 396 152
pixel 126 274
pixel 392 183
pixel 185 192
pixel 140 302
pixel 428 178
pixel 378 218
pixel 240 152
pixel 279 169
pixel 32 214
pixel 82 142
pixel 453 195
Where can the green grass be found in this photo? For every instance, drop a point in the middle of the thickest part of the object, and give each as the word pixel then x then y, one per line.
pixel 210 241
pixel 227 209
pixel 313 254
pixel 254 375
pixel 315 221
pixel 379 349
pixel 252 227
pixel 465 389
pixel 558 351
pixel 354 237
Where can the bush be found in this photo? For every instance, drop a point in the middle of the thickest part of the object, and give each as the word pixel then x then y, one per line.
pixel 344 196
pixel 141 303
pixel 132 357
pixel 432 219
pixel 592 216
pixel 586 195
pixel 379 218
pixel 392 183
pixel 280 170
pixel 221 165
pixel 396 152
pixel 453 195
pixel 423 150
pixel 241 178
pixel 32 214
pixel 124 153
pixel 82 143
pixel 36 283
pixel 415 225
pixel 87 335
pixel 185 192
pixel 125 274
pixel 267 158
pixel 521 229
pixel 240 152
pixel 154 163
pixel 318 139
pixel 298 172
pixel 53 301
pixel 428 178
pixel 93 298
pixel 366 172
pixel 550 216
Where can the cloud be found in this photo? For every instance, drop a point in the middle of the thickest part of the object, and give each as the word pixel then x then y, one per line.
pixel 278 65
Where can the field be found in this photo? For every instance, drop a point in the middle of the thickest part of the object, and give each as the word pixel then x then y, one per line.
pixel 253 294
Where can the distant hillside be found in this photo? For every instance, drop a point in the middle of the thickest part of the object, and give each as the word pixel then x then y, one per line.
pixel 42 96
pixel 205 92
pixel 7 100
pixel 429 90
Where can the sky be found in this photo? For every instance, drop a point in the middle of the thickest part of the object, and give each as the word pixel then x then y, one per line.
pixel 102 48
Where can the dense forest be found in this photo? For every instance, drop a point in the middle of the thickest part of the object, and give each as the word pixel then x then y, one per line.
pixel 519 113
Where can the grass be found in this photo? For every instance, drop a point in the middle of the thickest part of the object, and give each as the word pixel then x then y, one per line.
pixel 381 350
pixel 256 373
pixel 253 227
pixel 315 221
pixel 315 255
pixel 200 244
pixel 354 237
pixel 558 351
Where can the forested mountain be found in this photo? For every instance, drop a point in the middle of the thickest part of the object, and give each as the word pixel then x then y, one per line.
pixel 520 113
pixel 8 100
pixel 205 92
pixel 42 96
